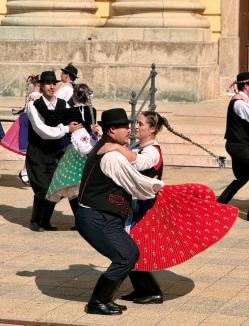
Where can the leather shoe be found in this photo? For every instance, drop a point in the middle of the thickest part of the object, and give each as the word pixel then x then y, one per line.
pixel 99 308
pixel 131 296
pixel 36 227
pixel 116 306
pixel 149 299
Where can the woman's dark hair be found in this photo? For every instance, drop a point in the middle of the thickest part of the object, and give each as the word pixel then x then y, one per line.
pixel 82 92
pixel 241 86
pixel 155 120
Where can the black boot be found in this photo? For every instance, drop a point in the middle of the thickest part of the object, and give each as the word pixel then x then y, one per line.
pixel 146 289
pixel 74 207
pixel 38 207
pixel 46 216
pixel 101 301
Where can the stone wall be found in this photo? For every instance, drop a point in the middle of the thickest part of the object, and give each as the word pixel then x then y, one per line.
pixel 112 63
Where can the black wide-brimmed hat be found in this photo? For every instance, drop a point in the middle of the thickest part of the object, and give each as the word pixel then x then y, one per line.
pixel 71 70
pixel 48 77
pixel 114 117
pixel 243 77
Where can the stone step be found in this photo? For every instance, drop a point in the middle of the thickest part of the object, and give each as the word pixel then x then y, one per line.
pixel 193 160
pixel 205 126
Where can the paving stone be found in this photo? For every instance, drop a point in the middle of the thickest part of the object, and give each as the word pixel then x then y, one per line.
pixel 49 277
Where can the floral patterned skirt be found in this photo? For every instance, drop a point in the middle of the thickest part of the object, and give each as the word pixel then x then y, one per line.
pixel 183 221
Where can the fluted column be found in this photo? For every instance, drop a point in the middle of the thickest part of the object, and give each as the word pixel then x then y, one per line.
pixel 158 13
pixel 70 13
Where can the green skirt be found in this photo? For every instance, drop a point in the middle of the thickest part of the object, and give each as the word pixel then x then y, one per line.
pixel 67 176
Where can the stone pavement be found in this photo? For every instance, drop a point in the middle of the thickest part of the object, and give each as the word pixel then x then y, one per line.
pixel 46 278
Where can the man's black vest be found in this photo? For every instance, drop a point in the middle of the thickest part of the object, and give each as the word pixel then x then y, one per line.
pixel 237 129
pixel 99 191
pixel 48 146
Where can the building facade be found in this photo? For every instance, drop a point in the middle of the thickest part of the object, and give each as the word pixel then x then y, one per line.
pixel 198 45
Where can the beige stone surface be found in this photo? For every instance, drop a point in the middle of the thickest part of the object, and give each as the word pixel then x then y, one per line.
pixel 48 277
pixel 51 13
pixel 158 13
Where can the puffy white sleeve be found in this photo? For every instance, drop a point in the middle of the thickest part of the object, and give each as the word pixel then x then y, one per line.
pixel 42 130
pixel 241 108
pixel 65 92
pixel 148 158
pixel 82 141
pixel 119 169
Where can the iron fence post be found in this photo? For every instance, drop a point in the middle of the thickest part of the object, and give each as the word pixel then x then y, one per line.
pixel 153 73
pixel 133 102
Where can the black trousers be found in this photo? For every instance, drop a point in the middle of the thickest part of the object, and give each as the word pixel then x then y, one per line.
pixel 105 233
pixel 240 165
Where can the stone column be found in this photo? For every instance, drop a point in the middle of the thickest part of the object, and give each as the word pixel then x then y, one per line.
pixel 70 13
pixel 229 43
pixel 158 13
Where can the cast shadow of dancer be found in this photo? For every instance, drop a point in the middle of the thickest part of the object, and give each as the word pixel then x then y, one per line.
pixel 21 216
pixel 77 282
pixel 9 180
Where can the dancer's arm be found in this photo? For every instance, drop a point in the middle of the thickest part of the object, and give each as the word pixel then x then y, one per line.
pixel 117 167
pixel 44 131
pixel 148 158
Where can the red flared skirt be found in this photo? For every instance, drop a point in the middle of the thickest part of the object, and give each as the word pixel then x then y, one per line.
pixel 184 220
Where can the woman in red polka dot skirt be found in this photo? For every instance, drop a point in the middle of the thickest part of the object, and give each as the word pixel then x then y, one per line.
pixel 180 222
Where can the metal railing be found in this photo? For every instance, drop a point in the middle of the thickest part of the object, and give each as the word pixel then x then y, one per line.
pixel 151 96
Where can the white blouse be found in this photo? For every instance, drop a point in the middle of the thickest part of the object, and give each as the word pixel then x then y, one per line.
pixel 148 158
pixel 65 92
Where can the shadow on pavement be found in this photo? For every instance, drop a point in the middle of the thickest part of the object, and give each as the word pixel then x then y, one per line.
pixel 77 282
pixel 10 180
pixel 21 216
pixel 243 206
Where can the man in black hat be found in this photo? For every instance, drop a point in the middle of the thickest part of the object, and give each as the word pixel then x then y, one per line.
pixel 68 77
pixel 237 137
pixel 104 207
pixel 45 138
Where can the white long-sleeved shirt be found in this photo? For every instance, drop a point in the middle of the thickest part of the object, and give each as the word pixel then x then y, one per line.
pixel 148 158
pixel 38 125
pixel 122 172
pixel 241 107
pixel 65 92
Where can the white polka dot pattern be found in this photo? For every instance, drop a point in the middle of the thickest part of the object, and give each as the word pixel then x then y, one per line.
pixel 184 220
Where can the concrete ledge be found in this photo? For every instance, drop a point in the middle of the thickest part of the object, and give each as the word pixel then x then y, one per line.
pixel 104 34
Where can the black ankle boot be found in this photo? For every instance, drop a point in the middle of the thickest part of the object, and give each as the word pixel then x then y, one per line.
pixel 146 289
pixel 101 301
pixel 151 288
pixel 46 216
pixel 37 212
pixel 131 296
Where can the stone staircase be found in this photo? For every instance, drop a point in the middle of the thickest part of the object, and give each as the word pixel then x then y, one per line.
pixel 203 122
